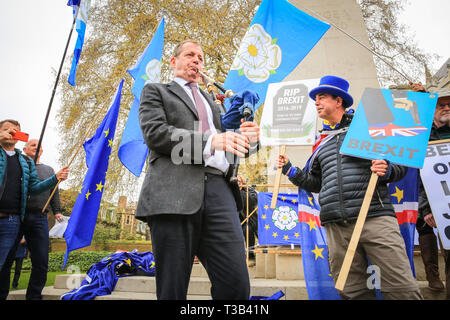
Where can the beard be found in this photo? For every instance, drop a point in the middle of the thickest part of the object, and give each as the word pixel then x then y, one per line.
pixel 444 119
pixel 7 145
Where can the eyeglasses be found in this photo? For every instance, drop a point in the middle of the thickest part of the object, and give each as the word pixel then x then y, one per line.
pixel 441 106
pixel 442 102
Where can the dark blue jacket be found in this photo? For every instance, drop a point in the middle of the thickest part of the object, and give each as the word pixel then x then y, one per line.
pixel 30 183
pixel 342 181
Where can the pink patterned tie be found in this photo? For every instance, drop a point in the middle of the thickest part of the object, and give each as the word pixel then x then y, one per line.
pixel 200 106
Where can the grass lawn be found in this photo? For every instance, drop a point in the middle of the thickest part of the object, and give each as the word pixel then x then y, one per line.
pixel 25 276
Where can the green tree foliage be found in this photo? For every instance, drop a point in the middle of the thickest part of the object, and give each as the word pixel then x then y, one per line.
pixel 393 42
pixel 116 38
pixel 67 198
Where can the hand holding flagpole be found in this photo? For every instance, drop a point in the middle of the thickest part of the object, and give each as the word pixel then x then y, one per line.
pixel 276 187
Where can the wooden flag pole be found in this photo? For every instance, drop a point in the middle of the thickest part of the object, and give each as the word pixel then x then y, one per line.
pixel 276 187
pixel 439 141
pixel 343 274
pixel 254 210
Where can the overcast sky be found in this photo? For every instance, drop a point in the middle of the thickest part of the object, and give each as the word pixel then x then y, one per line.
pixel 33 36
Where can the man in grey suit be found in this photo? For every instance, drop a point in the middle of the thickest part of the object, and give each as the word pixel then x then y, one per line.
pixel 185 198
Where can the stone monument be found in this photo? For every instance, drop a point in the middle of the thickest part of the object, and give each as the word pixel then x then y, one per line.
pixel 335 54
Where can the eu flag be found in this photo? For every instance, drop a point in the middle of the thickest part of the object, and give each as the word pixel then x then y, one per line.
pixel 102 277
pixel 82 17
pixel 133 150
pixel 80 228
pixel 279 37
pixel 279 226
pixel 319 283
pixel 405 198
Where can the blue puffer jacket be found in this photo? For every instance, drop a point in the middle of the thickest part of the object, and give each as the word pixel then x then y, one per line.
pixel 30 183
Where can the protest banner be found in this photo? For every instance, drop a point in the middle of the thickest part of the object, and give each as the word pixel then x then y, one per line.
pixel 435 176
pixel 289 118
pixel 392 125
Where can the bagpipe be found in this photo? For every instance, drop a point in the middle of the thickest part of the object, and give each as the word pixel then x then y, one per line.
pixel 239 106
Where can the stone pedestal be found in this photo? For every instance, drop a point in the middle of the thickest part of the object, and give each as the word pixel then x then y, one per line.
pixel 289 267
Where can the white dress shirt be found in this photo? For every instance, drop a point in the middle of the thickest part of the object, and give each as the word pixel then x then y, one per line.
pixel 218 159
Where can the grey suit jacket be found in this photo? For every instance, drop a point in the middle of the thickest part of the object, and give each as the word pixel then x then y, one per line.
pixel 174 183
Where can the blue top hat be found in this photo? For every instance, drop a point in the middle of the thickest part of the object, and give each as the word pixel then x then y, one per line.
pixel 335 86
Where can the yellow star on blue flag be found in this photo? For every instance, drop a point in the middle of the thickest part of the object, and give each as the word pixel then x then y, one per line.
pixel 317 252
pixel 279 226
pixel 398 194
pixel 80 228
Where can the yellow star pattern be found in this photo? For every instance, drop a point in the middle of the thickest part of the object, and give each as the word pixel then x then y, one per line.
pixel 87 195
pixel 266 207
pixel 296 235
pixel 286 237
pixel 312 224
pixel 274 234
pixel 398 194
pixel 106 132
pixel 283 198
pixel 81 188
pixel 317 252
pixel 294 201
pixel 267 227
pixel 99 187
pixel 110 142
pixel 310 201
pixel 264 217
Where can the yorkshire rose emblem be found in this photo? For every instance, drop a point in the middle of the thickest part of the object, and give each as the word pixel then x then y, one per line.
pixel 152 72
pixel 258 56
pixel 284 218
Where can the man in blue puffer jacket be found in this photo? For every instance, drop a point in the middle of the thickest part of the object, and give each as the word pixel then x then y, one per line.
pixel 18 178
pixel 341 182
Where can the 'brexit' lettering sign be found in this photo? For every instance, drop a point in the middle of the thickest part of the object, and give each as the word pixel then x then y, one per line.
pixel 391 125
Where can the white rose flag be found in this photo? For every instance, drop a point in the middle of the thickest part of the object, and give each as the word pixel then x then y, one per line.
pixel 279 37
pixel 133 150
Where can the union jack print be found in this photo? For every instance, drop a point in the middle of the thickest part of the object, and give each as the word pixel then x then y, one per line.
pixel 392 130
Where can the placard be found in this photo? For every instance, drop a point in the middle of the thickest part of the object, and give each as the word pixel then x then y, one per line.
pixel 289 116
pixel 436 181
pixel 392 125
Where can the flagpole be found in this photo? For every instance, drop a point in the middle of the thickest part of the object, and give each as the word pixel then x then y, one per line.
pixel 56 84
pixel 358 41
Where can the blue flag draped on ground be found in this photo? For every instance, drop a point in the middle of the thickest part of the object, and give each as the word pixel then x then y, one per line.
pixel 279 37
pixel 82 18
pixel 133 150
pixel 102 277
pixel 98 149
